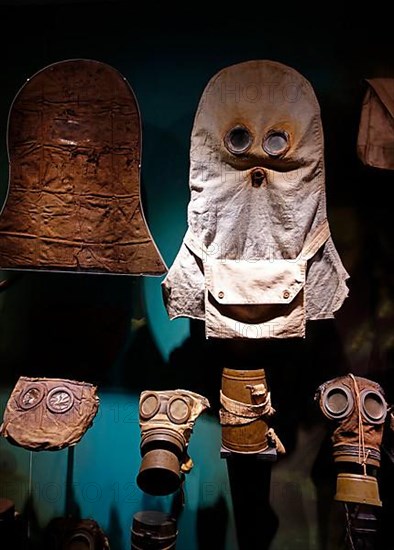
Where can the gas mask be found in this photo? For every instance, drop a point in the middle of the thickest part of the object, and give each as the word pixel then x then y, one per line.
pixel 49 414
pixel 166 420
pixel 358 408
pixel 73 203
pixel 74 534
pixel 257 260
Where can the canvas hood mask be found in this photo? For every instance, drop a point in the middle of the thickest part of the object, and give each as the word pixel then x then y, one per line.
pixel 257 260
pixel 73 204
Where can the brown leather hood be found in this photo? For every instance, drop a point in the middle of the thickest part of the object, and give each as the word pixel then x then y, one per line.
pixel 73 204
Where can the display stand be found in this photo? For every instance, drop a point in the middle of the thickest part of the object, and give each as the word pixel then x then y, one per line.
pixel 30 497
pixel 269 455
pixel 249 474
pixel 362 526
pixel 69 505
pixel 250 483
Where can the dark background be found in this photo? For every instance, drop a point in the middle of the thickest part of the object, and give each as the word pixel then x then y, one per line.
pixel 98 328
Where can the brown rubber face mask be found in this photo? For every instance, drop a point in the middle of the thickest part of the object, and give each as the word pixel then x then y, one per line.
pixel 358 408
pixel 73 204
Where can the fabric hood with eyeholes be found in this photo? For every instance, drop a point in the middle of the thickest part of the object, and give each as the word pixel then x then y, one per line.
pixel 257 186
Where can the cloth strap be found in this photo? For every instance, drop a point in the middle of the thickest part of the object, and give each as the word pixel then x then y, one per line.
pixel 236 413
pixel 312 244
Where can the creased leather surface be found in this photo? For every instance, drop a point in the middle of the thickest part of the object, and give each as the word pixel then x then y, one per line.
pixel 236 218
pixel 375 140
pixel 49 414
pixel 74 144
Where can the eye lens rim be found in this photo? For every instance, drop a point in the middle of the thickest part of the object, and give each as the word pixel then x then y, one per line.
pixel 80 537
pixel 173 418
pixel 282 151
pixel 147 416
pixel 343 413
pixel 364 394
pixel 54 391
pixel 229 145
pixel 37 400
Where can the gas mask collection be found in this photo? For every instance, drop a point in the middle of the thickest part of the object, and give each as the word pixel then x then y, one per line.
pixel 257 260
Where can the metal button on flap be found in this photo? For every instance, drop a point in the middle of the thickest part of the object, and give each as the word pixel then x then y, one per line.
pixel 286 294
pixel 221 294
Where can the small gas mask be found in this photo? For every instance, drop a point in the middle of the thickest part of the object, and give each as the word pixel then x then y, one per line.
pixel 49 414
pixel 166 420
pixel 358 407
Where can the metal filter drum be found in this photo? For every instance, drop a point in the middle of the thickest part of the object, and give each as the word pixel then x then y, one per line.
pixel 247 438
pixel 153 530
pixel 362 489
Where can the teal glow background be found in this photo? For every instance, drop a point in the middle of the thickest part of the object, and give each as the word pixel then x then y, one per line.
pixel 114 331
pixel 106 462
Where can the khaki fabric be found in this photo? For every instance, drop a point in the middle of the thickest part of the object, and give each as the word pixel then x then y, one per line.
pixel 49 414
pixel 248 233
pixel 238 413
pixel 73 203
pixel 259 299
pixel 375 141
